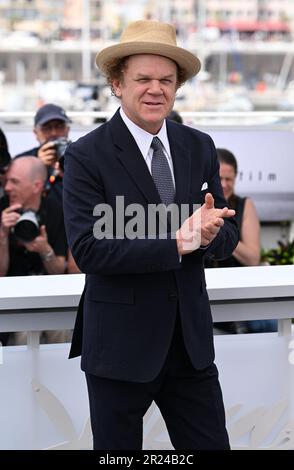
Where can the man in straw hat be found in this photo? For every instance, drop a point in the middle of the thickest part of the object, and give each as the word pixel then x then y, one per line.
pixel 144 326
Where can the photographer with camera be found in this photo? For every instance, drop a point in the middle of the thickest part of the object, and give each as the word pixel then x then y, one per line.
pixel 32 235
pixel 51 128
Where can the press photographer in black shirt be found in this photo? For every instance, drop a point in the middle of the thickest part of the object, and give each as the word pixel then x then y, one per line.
pixel 19 254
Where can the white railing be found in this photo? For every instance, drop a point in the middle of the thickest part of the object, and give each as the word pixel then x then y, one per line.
pixel 40 388
pixel 186 114
pixel 236 294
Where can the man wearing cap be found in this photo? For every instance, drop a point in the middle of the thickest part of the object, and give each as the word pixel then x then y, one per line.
pixel 50 123
pixel 144 327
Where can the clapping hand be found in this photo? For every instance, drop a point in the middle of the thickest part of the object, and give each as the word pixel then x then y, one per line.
pixel 202 226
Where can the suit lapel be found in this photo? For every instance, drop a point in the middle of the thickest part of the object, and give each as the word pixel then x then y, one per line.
pixel 133 161
pixel 181 157
pixel 131 158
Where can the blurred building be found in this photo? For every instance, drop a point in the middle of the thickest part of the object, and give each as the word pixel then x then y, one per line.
pixel 42 17
pixel 268 18
pixel 64 19
pixel 52 40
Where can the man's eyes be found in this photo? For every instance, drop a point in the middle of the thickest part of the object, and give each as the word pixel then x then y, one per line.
pixel 59 127
pixel 163 80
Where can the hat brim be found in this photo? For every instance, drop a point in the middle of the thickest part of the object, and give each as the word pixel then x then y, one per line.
pixel 185 59
pixel 52 117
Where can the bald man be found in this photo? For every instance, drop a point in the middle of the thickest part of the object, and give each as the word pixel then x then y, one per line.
pixel 46 253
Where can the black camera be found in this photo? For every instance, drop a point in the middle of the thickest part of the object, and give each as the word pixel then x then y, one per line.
pixel 60 147
pixel 27 228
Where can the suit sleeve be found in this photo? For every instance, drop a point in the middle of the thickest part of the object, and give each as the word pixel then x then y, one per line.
pixel 228 237
pixel 83 190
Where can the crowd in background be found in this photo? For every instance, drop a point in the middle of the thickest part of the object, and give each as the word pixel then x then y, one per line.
pixel 32 233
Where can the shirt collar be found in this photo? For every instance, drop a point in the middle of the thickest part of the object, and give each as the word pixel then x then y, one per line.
pixel 143 138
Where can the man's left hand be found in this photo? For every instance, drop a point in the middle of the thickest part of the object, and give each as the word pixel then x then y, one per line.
pixel 212 219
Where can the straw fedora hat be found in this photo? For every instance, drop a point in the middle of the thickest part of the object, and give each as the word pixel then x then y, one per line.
pixel 150 37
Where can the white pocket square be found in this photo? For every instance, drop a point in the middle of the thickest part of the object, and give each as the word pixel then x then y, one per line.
pixel 204 186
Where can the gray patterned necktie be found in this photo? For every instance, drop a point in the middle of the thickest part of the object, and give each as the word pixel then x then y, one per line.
pixel 161 173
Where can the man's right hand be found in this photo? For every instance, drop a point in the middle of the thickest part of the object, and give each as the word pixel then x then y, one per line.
pixel 9 217
pixel 47 153
pixel 202 226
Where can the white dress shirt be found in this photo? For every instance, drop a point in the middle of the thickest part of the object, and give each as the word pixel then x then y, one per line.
pixel 144 139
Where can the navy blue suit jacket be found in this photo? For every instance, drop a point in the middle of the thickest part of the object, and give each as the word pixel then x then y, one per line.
pixel 134 288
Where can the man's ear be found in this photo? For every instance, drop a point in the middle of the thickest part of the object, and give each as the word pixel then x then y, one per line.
pixel 38 186
pixel 37 135
pixel 116 87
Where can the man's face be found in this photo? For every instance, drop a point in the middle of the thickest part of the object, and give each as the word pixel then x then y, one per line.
pixel 147 90
pixel 19 186
pixel 51 130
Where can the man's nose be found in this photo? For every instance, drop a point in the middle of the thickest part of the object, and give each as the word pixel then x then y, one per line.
pixel 53 134
pixel 7 186
pixel 155 87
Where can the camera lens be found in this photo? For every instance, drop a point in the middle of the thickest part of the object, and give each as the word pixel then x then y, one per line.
pixel 26 228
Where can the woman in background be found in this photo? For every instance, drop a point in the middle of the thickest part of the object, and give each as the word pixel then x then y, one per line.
pixel 247 252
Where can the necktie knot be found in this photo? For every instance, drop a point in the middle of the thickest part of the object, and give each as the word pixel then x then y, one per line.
pixel 156 144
